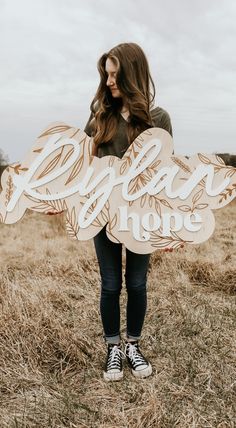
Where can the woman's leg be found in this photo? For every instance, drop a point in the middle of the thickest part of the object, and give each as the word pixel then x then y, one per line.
pixel 109 257
pixel 136 278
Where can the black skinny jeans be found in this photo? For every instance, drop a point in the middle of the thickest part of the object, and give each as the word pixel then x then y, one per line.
pixel 109 256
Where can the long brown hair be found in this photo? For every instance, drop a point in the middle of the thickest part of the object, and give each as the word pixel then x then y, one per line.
pixel 134 82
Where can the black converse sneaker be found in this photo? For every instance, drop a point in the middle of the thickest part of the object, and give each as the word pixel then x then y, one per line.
pixel 113 368
pixel 138 363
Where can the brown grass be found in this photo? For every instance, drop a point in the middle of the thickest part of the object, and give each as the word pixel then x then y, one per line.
pixel 51 344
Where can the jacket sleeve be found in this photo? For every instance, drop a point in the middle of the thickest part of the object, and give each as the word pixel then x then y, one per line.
pixel 161 119
pixel 89 125
pixel 166 123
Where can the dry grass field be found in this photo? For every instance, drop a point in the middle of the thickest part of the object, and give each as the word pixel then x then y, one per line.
pixel 51 344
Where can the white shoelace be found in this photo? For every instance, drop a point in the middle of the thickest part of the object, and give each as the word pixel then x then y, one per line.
pixel 114 358
pixel 134 354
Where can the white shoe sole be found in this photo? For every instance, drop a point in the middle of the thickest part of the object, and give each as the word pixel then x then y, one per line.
pixel 143 373
pixel 112 376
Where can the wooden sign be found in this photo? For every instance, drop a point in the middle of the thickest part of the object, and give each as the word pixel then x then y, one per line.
pixel 148 200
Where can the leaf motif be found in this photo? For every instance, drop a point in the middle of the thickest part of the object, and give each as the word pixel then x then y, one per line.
pixel 55 130
pixel 224 196
pixel 155 237
pixel 148 132
pixel 138 144
pixel 162 244
pixel 177 245
pixel 104 216
pixel 197 196
pixel 149 173
pixel 181 164
pixel 129 161
pixel 143 178
pixel 166 241
pixel 204 159
pixel 143 200
pixel 166 203
pixel 230 172
pixel 139 138
pixel 175 236
pixel 97 223
pixel 67 156
pixel 202 183
pixel 155 164
pixel 16 168
pixel 41 207
pixel 113 222
pixel 229 191
pixel 72 226
pixel 111 161
pixel 9 190
pixel 76 132
pixel 150 201
pixel 56 206
pixel 201 206
pixel 220 160
pixel 184 208
pixel 31 198
pixel 52 164
pixel 59 205
pixel 110 234
pixel 75 170
pixel 71 232
pixel 107 205
pixel 158 207
pixel 64 206
pixel 123 167
pixel 73 216
pixel 134 186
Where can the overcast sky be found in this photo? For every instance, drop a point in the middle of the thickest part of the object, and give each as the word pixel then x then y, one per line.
pixel 49 51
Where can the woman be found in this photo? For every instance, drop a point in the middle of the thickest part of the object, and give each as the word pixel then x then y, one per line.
pixel 121 109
